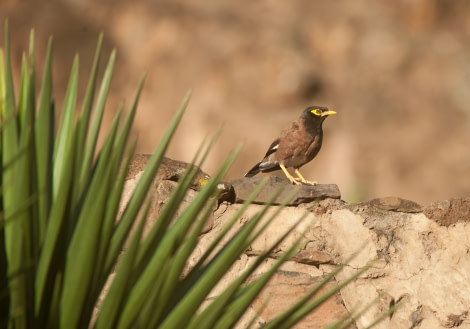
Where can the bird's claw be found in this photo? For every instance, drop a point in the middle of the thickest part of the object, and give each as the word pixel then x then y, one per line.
pixel 299 181
pixel 311 182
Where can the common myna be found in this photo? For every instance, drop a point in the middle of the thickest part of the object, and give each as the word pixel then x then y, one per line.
pixel 298 144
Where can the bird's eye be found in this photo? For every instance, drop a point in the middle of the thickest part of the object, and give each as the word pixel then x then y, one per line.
pixel 316 112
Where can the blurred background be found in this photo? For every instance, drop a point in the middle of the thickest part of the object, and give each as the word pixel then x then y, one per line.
pixel 397 73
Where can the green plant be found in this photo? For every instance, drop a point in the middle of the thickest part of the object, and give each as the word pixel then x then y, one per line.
pixel 59 240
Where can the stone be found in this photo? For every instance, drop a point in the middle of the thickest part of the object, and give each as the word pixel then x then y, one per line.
pixel 163 193
pixel 415 257
pixel 418 269
pixel 284 289
pixel 449 212
pixel 395 204
pixel 313 257
pixel 169 169
pixel 165 181
pixel 297 194
pixel 413 261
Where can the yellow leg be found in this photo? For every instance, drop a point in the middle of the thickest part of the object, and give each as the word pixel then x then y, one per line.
pixel 302 179
pixel 291 178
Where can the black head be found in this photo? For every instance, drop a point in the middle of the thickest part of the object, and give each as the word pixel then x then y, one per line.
pixel 317 112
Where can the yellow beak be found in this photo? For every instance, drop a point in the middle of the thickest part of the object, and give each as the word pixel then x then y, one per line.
pixel 329 112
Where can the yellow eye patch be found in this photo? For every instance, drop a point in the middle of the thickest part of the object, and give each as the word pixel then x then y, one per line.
pixel 317 112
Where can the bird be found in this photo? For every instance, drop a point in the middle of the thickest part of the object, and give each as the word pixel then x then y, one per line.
pixel 297 144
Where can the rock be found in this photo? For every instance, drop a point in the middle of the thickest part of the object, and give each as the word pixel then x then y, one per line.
pixel 165 181
pixel 449 212
pixel 454 320
pixel 395 204
pixel 163 193
pixel 416 257
pixel 284 290
pixel 422 263
pixel 313 257
pixel 244 187
pixel 415 261
pixel 169 170
pixel 173 170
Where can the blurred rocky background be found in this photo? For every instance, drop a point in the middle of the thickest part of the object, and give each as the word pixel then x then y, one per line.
pixel 397 73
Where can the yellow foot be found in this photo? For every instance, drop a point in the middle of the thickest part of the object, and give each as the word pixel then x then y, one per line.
pixel 291 178
pixel 311 182
pixel 302 179
pixel 295 181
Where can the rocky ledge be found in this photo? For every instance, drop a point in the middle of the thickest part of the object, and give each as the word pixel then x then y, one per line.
pixel 420 254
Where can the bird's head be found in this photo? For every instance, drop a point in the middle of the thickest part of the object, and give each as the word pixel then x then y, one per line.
pixel 319 112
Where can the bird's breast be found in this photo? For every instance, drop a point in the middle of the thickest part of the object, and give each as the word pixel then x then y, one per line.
pixel 296 152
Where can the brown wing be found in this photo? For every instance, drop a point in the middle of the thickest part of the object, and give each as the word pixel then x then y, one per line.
pixel 294 149
pixel 272 148
pixel 290 140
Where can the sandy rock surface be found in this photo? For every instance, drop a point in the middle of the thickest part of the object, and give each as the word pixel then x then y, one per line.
pixel 416 259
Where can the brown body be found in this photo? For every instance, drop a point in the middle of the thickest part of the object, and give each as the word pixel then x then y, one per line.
pixel 297 144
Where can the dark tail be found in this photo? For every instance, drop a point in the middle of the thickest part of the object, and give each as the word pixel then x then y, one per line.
pixel 253 171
